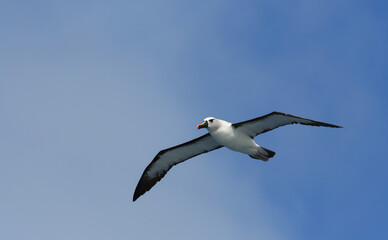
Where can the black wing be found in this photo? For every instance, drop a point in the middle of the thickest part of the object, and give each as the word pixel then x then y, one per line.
pixel 274 120
pixel 167 158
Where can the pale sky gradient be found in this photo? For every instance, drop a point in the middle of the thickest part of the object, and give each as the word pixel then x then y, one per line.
pixel 90 91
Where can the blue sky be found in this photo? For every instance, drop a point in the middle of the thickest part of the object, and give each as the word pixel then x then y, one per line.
pixel 90 91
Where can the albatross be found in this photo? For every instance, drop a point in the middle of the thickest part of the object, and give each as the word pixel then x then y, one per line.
pixel 235 136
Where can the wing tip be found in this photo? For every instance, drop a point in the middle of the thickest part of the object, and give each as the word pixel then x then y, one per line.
pixel 135 197
pixel 140 190
pixel 136 194
pixel 142 187
pixel 330 125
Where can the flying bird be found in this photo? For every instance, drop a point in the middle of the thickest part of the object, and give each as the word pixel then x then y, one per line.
pixel 235 136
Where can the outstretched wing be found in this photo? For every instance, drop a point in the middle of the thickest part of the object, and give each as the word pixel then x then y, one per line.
pixel 274 120
pixel 167 158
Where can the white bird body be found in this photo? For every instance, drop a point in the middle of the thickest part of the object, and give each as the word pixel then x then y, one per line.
pixel 235 136
pixel 228 136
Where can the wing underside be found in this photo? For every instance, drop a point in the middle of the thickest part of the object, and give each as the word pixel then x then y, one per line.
pixel 167 158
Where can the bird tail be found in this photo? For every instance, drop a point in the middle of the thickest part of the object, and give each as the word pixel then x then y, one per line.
pixel 263 154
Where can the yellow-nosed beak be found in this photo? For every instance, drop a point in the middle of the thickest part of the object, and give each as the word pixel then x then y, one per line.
pixel 202 125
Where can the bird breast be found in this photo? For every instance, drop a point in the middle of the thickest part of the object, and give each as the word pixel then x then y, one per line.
pixel 233 139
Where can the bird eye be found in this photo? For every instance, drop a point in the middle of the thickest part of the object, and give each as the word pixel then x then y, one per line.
pixel 211 120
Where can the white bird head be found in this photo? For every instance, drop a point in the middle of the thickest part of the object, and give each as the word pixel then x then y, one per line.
pixel 210 123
